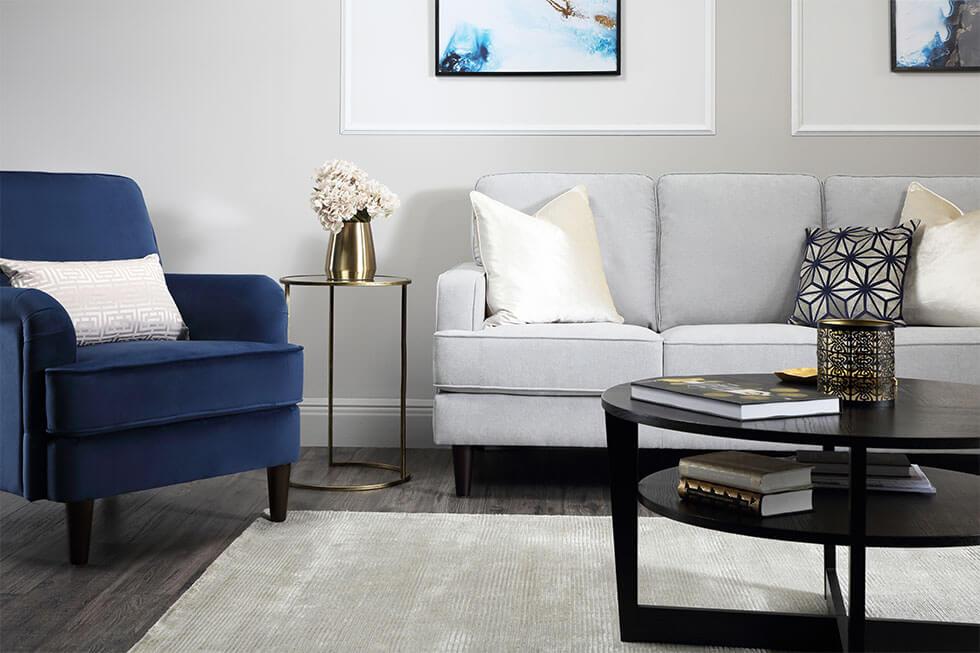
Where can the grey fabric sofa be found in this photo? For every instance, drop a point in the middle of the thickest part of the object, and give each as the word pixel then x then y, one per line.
pixel 704 269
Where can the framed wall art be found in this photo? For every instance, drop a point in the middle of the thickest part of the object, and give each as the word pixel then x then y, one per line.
pixel 935 36
pixel 528 37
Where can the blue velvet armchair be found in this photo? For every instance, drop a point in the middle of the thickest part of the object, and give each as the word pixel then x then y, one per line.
pixel 82 423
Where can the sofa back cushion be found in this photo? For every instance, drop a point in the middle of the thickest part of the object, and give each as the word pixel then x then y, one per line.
pixel 878 201
pixel 624 206
pixel 72 217
pixel 731 246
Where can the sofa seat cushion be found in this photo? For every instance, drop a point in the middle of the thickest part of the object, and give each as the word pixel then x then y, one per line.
pixel 127 385
pixel 545 359
pixel 738 348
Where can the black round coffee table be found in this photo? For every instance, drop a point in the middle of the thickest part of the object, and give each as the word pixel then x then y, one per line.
pixel 925 415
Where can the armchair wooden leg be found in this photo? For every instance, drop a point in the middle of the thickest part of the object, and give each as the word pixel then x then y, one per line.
pixel 463 469
pixel 78 515
pixel 278 492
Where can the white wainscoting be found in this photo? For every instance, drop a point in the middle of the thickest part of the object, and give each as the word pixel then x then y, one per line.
pixel 366 422
pixel 389 84
pixel 842 83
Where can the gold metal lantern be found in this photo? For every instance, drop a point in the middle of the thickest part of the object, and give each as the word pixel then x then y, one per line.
pixel 856 360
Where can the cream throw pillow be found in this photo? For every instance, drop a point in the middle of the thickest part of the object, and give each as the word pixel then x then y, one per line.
pixel 107 301
pixel 544 267
pixel 942 285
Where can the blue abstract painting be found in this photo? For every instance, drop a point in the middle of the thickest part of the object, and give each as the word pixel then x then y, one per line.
pixel 935 35
pixel 527 37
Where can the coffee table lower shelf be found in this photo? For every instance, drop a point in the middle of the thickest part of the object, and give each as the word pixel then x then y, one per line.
pixel 948 518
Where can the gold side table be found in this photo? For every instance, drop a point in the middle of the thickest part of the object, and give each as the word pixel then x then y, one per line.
pixel 379 281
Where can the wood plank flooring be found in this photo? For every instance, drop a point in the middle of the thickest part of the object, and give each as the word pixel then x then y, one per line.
pixel 148 547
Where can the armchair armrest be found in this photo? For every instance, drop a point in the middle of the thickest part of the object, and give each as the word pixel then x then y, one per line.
pixel 35 334
pixel 461 298
pixel 244 307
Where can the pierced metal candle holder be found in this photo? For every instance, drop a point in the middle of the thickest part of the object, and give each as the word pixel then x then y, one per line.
pixel 856 360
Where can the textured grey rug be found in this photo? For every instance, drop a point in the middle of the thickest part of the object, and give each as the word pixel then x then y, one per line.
pixel 334 581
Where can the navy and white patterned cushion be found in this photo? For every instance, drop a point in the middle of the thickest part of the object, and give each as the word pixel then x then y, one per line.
pixel 853 273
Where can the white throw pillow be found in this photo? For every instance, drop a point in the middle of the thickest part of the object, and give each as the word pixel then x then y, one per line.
pixel 544 267
pixel 942 285
pixel 107 301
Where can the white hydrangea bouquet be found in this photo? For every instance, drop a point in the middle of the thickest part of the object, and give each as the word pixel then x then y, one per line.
pixel 342 192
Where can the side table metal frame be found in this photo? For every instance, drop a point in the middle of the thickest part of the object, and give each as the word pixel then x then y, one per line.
pixel 402 468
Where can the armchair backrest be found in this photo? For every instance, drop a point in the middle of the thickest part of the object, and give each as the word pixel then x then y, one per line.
pixel 72 217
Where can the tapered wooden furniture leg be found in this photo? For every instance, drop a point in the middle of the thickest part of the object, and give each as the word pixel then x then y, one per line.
pixel 78 515
pixel 622 442
pixel 857 500
pixel 278 492
pixel 463 468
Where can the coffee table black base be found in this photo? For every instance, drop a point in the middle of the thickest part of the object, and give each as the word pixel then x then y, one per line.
pixel 787 631
pixel 836 631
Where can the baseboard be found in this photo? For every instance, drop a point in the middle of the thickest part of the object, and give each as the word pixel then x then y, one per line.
pixel 366 422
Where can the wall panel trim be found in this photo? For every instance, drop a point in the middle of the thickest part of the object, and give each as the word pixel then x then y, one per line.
pixel 349 125
pixel 800 127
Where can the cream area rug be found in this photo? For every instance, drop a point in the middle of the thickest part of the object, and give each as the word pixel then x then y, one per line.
pixel 337 581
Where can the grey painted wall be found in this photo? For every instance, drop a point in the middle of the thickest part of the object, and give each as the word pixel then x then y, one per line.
pixel 220 109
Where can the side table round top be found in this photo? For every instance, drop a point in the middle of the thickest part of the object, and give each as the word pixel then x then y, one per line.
pixel 379 280
pixel 924 415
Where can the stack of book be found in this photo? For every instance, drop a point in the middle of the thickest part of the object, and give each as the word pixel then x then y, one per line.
pixel 886 472
pixel 747 482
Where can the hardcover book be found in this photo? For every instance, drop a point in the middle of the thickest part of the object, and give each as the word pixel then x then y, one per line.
pixel 735 396
pixel 746 471
pixel 915 483
pixel 764 505
pixel 835 463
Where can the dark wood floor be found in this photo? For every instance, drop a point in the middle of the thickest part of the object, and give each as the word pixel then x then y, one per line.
pixel 148 547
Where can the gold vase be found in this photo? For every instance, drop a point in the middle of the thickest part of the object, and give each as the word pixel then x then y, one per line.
pixel 350 254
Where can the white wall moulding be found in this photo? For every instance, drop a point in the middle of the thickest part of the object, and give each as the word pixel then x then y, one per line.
pixel 366 422
pixel 842 83
pixel 389 84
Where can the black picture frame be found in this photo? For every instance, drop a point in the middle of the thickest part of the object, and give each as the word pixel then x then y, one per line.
pixel 895 68
pixel 556 73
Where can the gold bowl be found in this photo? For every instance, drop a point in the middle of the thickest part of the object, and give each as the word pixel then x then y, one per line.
pixel 807 375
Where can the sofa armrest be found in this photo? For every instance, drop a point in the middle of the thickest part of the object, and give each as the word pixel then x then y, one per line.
pixel 461 298
pixel 245 307
pixel 35 334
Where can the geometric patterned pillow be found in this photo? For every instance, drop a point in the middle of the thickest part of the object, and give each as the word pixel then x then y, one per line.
pixel 853 273
pixel 107 301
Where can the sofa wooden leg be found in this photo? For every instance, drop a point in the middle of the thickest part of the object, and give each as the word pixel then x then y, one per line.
pixel 278 491
pixel 78 515
pixel 463 468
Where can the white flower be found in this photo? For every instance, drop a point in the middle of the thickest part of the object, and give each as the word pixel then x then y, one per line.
pixel 343 192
